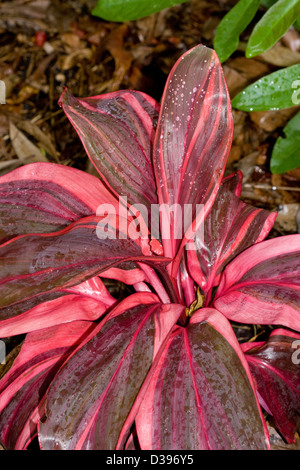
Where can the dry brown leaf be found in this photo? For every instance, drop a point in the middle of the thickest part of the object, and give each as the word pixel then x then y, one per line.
pixel 43 139
pixel 4 368
pixel 269 121
pixel 286 219
pixel 24 94
pixel 250 68
pixel 280 56
pixel 9 165
pixel 277 443
pixel 236 82
pixel 72 40
pixel 28 14
pixel 11 81
pixel 69 61
pixel 24 148
pixel 246 165
pixel 292 39
pixel 122 57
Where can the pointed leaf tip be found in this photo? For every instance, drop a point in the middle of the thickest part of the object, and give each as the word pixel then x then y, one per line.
pixel 193 137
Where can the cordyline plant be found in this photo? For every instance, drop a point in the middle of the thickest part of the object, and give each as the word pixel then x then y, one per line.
pixel 161 368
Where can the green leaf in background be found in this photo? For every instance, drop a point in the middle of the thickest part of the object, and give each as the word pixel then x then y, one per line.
pixel 272 26
pixel 286 151
pixel 278 90
pixel 232 25
pixel 129 10
pixel 267 3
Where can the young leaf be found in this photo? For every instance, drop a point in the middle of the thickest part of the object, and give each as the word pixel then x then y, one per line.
pixel 43 197
pixel 192 140
pixel 272 26
pixel 201 396
pixel 23 388
pixel 262 284
pixel 232 25
pixel 273 91
pixel 275 368
pixel 128 10
pixel 286 151
pixel 240 226
pixel 90 402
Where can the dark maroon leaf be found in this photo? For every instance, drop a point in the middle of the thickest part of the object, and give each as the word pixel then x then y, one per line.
pixel 117 131
pixel 262 284
pixel 43 197
pixel 90 403
pixel 275 368
pixel 87 301
pixel 23 388
pixel 33 267
pixel 239 225
pixel 200 395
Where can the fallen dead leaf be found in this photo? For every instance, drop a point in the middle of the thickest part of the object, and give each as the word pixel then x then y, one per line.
pixel 44 140
pixel 123 58
pixel 280 56
pixel 250 68
pixel 292 39
pixel 246 165
pixel 69 61
pixel 236 82
pixel 287 218
pixel 271 120
pixel 25 150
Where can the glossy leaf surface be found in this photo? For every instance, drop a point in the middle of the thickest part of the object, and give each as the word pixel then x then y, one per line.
pixel 262 284
pixel 90 402
pixel 128 10
pixel 87 301
pixel 286 151
pixel 192 141
pixel 240 226
pixel 34 267
pixel 200 397
pixel 23 388
pixel 275 368
pixel 272 26
pixel 232 25
pixel 273 91
pixel 44 197
pixel 117 131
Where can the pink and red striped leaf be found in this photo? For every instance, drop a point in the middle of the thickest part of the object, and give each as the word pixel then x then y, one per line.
pixel 91 403
pixel 34 267
pixel 87 301
pixel 229 228
pixel 23 388
pixel 201 395
pixel 117 131
pixel 275 368
pixel 192 141
pixel 262 284
pixel 44 197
